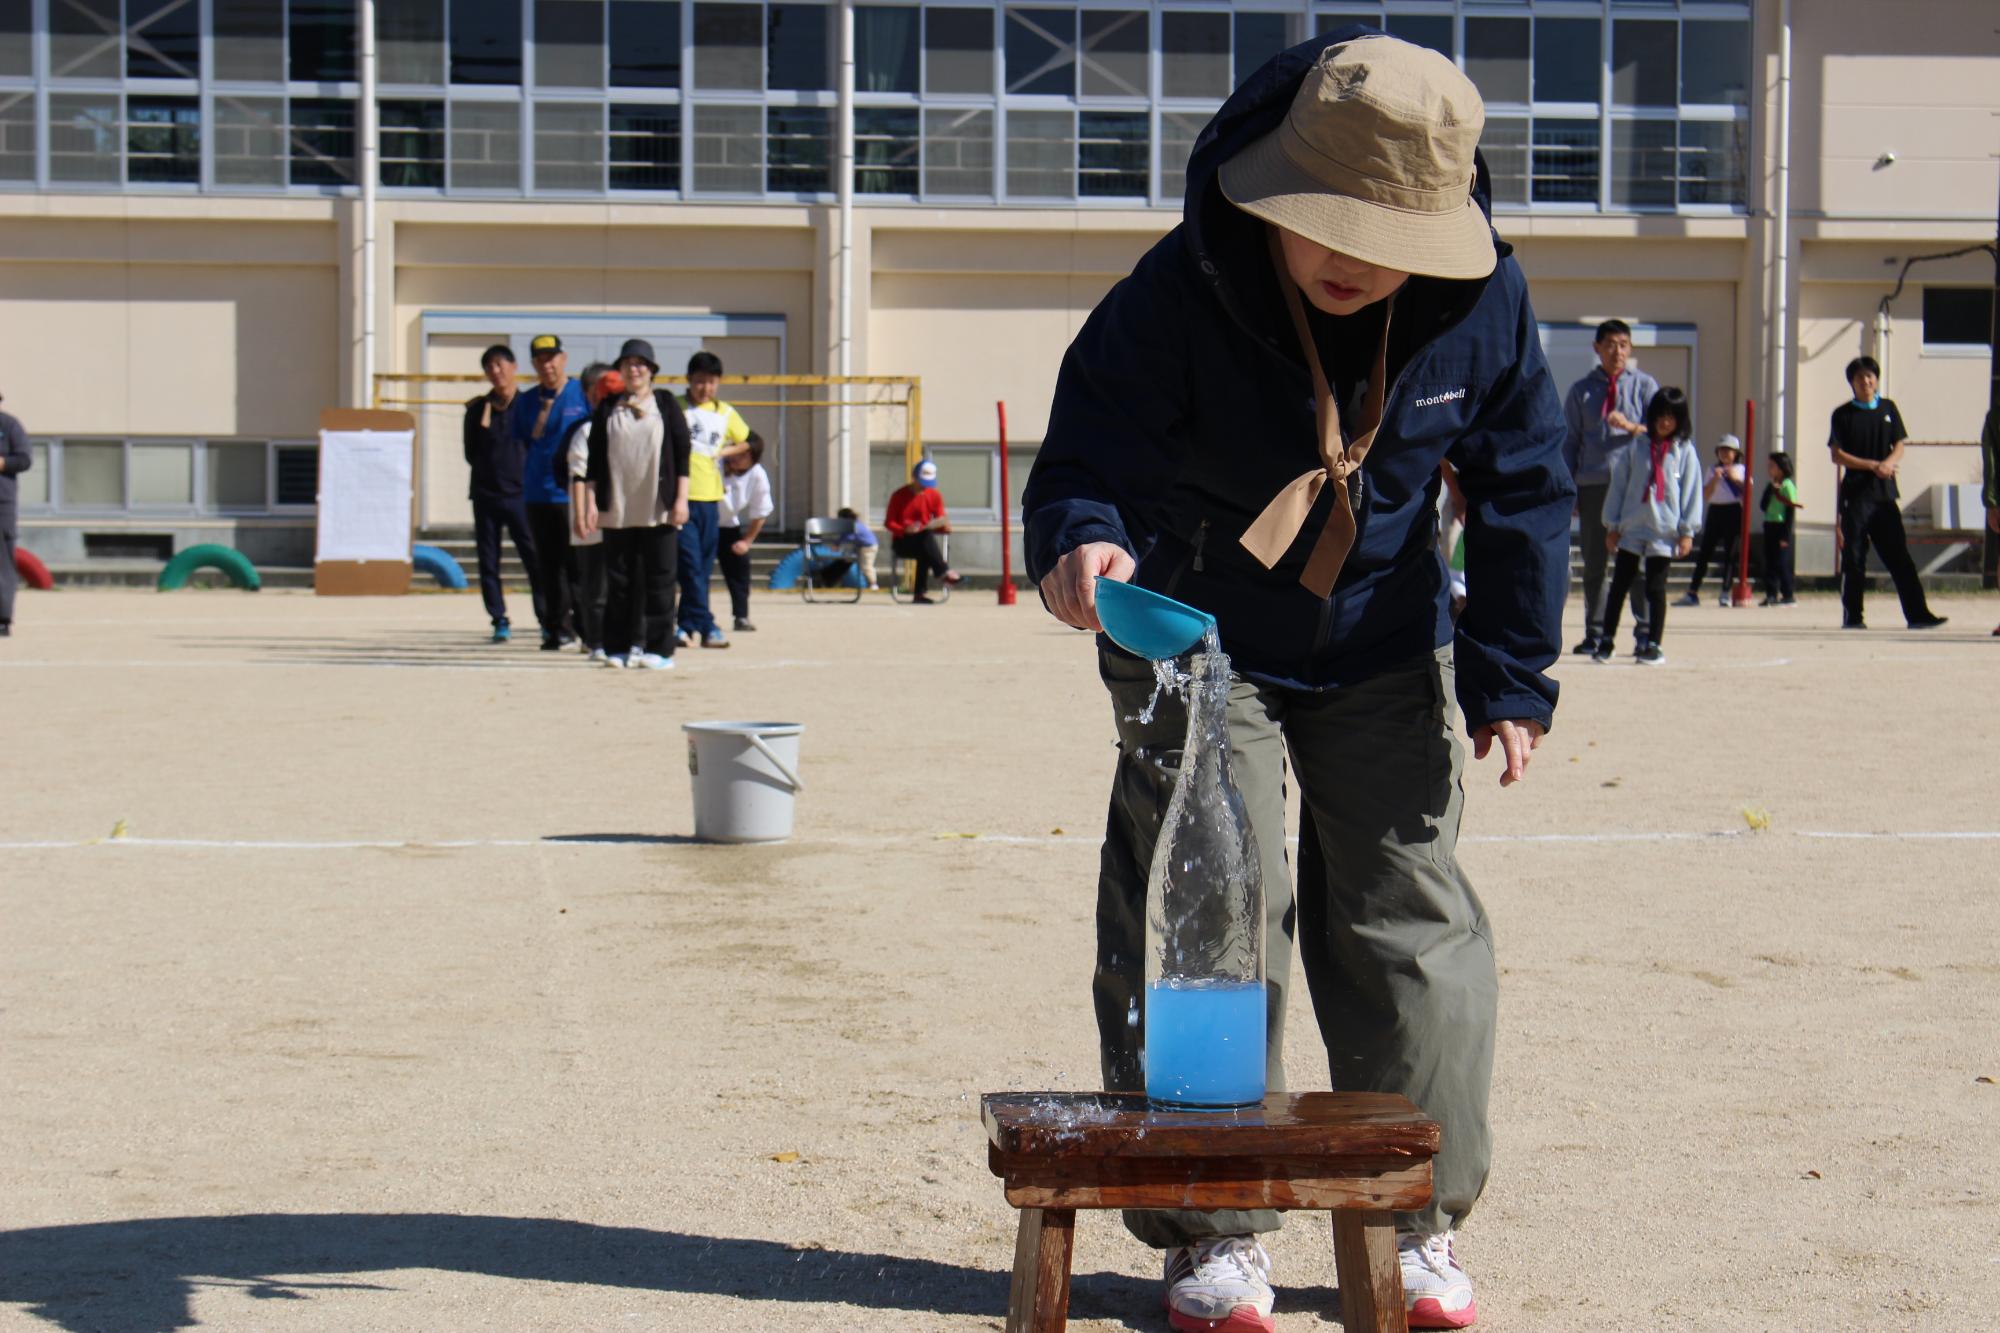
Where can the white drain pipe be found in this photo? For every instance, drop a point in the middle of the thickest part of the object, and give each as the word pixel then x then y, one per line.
pixel 369 160
pixel 1781 326
pixel 845 160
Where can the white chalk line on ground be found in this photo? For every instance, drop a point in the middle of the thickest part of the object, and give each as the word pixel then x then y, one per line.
pixel 885 840
pixel 199 664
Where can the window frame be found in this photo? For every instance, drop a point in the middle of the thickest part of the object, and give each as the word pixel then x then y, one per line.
pixel 278 95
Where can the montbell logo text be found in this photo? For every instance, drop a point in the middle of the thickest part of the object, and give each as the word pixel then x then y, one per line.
pixel 1437 398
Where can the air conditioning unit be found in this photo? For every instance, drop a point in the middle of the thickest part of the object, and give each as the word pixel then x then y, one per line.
pixel 1957 508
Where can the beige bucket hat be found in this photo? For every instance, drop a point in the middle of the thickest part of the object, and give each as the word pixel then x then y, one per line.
pixel 1374 160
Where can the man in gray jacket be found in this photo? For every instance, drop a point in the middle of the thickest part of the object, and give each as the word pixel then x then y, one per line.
pixel 14 460
pixel 1603 412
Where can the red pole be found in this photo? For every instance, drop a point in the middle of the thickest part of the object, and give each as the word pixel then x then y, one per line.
pixel 1742 597
pixel 1006 532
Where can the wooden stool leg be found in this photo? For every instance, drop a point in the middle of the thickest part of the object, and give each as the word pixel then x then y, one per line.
pixel 1038 1301
pixel 1371 1274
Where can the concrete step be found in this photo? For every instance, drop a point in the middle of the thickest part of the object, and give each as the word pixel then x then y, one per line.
pixel 146 573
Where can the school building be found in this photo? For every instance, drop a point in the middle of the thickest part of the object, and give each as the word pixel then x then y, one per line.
pixel 184 244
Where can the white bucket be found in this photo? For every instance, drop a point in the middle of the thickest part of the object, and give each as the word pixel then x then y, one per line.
pixel 744 776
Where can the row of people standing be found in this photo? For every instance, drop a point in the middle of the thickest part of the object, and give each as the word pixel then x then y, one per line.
pixel 617 466
pixel 1618 411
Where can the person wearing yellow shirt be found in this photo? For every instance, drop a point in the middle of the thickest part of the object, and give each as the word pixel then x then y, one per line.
pixel 718 433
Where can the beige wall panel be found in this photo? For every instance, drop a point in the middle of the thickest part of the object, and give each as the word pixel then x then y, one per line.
pixel 64 331
pixel 1944 159
pixel 109 240
pixel 602 248
pixel 1628 259
pixel 169 350
pixel 1915 78
pixel 1943 398
pixel 1709 306
pixel 1112 254
pixel 978 339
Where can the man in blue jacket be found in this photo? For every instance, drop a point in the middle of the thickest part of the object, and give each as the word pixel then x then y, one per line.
pixel 543 419
pixel 1253 422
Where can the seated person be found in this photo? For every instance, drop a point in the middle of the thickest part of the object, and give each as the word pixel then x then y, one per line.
pixel 864 543
pixel 915 520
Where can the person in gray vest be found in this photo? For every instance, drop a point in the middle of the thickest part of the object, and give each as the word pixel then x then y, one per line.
pixel 14 460
pixel 1602 413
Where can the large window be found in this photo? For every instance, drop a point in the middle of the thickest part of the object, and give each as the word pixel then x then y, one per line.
pixel 1623 105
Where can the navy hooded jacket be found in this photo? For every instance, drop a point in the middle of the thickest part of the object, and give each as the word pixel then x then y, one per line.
pixel 1184 406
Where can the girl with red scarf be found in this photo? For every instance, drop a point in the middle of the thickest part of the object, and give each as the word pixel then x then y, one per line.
pixel 1652 509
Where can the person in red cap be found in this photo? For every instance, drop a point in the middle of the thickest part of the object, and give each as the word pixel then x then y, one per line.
pixel 916 520
pixel 1252 422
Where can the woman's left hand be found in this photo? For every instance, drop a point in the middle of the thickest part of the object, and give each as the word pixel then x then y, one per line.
pixel 1517 742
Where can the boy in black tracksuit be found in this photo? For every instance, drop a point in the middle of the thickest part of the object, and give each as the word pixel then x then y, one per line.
pixel 1867 440
pixel 1253 423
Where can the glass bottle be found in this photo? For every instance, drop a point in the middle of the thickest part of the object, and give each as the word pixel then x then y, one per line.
pixel 1205 921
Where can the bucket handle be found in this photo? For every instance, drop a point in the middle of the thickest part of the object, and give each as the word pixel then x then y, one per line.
pixel 776 762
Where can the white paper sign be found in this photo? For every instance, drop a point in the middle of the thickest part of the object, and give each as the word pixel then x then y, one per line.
pixel 364 494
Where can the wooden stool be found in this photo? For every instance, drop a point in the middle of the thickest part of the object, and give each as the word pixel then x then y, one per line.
pixel 1360 1155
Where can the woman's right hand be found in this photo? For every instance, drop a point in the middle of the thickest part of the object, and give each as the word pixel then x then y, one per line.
pixel 1070 589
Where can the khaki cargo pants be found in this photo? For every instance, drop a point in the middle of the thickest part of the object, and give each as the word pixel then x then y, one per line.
pixel 1398 955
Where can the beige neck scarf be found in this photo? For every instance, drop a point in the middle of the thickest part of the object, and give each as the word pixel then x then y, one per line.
pixel 1279 525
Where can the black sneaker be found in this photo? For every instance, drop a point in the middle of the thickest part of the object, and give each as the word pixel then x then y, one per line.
pixel 743 626
pixel 551 644
pixel 1651 655
pixel 1852 624
pixel 1688 599
pixel 7 631
pixel 1588 648
pixel 1601 653
pixel 1929 622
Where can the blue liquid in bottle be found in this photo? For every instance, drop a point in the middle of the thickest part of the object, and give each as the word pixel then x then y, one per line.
pixel 1205 1043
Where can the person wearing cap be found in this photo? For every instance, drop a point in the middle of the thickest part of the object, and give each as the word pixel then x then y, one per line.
pixel 496 453
pixel 1252 423
pixel 915 520
pixel 718 434
pixel 637 469
pixel 543 419
pixel 1603 413
pixel 15 458
pixel 1721 518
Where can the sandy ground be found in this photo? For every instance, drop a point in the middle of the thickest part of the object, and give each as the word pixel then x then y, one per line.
pixel 403 1001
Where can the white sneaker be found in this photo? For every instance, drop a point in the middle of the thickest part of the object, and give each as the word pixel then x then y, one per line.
pixel 615 660
pixel 597 654
pixel 1220 1285
pixel 1437 1293
pixel 652 662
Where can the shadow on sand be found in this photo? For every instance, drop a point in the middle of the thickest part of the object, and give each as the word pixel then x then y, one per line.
pixel 140 1275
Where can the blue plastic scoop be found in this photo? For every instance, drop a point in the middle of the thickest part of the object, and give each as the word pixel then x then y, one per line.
pixel 1147 624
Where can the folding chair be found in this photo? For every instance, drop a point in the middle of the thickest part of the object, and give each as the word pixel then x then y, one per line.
pixel 823 566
